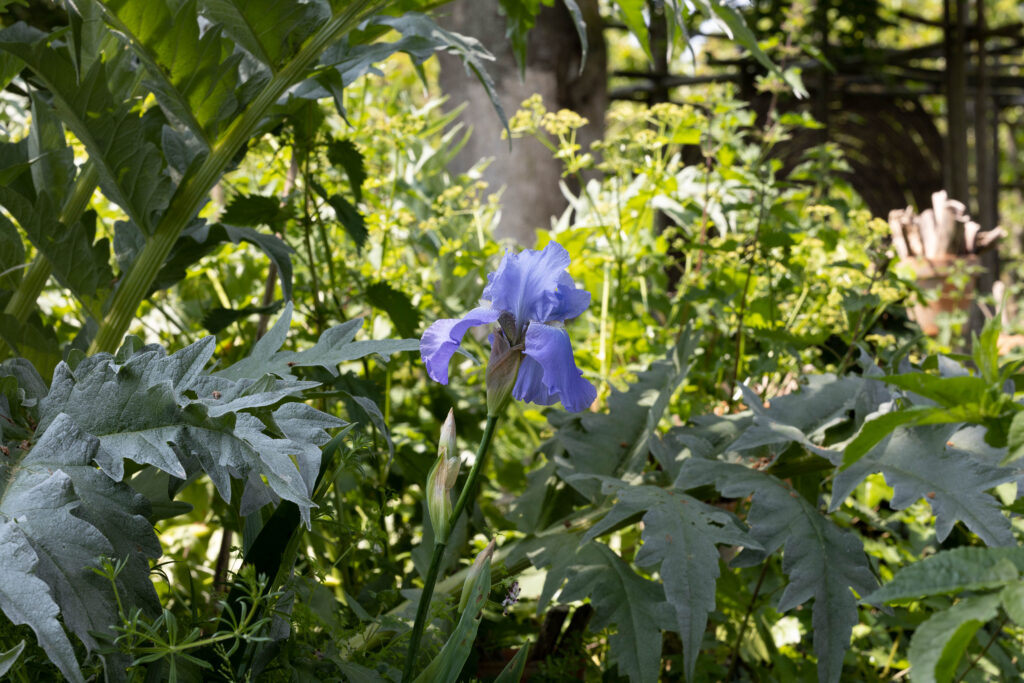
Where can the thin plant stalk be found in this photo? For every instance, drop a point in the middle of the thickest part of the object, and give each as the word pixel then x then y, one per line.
pixel 467 494
pixel 39 270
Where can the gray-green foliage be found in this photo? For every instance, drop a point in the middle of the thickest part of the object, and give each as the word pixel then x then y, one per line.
pixel 680 532
pixel 58 514
pixel 786 459
pixel 633 605
pixel 607 444
pixel 926 463
pixel 63 501
pixel 680 538
pixel 822 561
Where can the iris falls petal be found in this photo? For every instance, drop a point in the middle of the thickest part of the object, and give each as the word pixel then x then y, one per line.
pixel 530 384
pixel 441 339
pixel 550 347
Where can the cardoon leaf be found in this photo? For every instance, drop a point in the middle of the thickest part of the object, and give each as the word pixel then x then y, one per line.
pixel 634 605
pixel 165 411
pixel 335 346
pixel 26 599
pixel 680 535
pixel 58 515
pixel 53 162
pixel 269 30
pixel 420 38
pixel 822 560
pixel 921 462
pixel 191 72
pixel 117 139
pixel 12 255
pixel 79 263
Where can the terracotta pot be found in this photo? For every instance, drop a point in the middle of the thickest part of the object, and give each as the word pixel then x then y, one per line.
pixel 933 274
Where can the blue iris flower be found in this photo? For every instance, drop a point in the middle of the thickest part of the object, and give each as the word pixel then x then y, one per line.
pixel 531 295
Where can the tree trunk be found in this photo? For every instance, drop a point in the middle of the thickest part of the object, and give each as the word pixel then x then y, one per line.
pixel 526 170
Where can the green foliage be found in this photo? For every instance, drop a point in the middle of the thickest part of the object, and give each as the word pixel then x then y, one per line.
pixel 166 645
pixel 60 512
pixel 7 659
pixel 450 660
pixel 953 571
pixel 741 498
pixel 679 534
pixel 821 560
pixel 514 670
pixel 940 642
pixel 990 577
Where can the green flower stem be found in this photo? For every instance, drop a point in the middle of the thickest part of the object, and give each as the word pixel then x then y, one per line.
pixel 468 492
pixel 193 190
pixel 474 473
pixel 421 611
pixel 576 523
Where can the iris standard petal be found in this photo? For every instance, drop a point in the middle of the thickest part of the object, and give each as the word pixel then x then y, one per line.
pixel 439 342
pixel 551 348
pixel 571 301
pixel 526 283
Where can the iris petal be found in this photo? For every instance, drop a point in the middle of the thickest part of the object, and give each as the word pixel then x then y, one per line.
pixel 530 384
pixel 441 339
pixel 551 349
pixel 526 283
pixel 572 301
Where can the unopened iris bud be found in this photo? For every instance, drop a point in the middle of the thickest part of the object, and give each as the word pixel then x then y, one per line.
pixel 446 444
pixel 502 372
pixel 482 561
pixel 442 478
